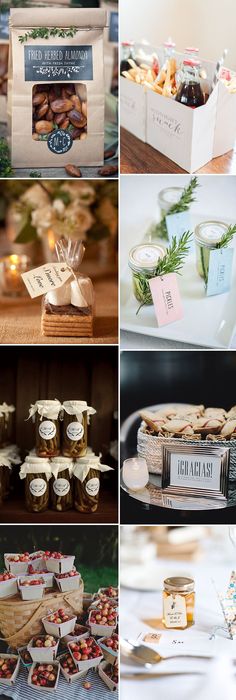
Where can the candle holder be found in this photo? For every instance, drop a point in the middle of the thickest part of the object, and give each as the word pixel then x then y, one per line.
pixel 135 473
pixel 11 268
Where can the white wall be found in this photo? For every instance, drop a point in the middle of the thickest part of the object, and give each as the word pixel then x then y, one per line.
pixel 208 24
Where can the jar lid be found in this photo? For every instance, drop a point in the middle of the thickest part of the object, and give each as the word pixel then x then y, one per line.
pixel 171 194
pixel 181 584
pixel 82 405
pixel 209 233
pixel 146 256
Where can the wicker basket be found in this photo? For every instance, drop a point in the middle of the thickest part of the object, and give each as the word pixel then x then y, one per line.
pixel 150 447
pixel 20 619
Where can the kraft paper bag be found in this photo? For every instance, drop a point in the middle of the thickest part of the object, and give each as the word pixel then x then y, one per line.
pixel 65 65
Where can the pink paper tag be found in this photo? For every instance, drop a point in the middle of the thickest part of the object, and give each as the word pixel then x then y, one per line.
pixel 166 299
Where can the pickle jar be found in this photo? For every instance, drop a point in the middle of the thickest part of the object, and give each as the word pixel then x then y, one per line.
pixel 178 602
pixel 87 483
pixel 6 424
pixel 45 414
pixel 143 260
pixel 36 471
pixel 75 423
pixel 61 492
pixel 207 235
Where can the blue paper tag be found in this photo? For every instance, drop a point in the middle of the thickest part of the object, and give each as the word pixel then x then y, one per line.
pixel 177 224
pixel 220 269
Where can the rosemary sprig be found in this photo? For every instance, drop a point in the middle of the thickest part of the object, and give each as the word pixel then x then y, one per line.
pixel 172 262
pixel 227 237
pixel 183 204
pixel 46 33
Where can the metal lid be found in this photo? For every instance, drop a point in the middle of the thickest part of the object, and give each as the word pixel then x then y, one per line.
pixel 171 195
pixel 181 584
pixel 146 256
pixel 209 233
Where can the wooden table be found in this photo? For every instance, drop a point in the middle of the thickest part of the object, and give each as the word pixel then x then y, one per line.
pixel 14 511
pixel 20 319
pixel 138 157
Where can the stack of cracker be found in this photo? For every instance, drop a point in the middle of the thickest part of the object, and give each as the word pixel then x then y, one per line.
pixel 68 321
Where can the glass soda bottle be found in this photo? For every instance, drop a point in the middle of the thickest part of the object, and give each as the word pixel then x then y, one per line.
pixel 127 52
pixel 189 91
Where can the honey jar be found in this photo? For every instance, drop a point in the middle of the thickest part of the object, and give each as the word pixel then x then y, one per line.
pixel 178 602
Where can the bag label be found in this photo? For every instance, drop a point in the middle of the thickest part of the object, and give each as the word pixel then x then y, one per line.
pixel 47 430
pixel 92 486
pixel 175 611
pixel 43 279
pixel 59 141
pixel 58 63
pixel 37 487
pixel 61 487
pixel 75 430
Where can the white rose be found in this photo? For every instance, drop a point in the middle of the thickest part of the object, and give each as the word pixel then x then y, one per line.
pixel 59 206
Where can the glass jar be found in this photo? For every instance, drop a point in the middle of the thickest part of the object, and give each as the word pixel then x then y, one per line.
pixel 143 260
pixel 87 484
pixel 47 428
pixel 178 602
pixel 6 424
pixel 189 92
pixel 168 197
pixel 75 433
pixel 207 235
pixel 36 471
pixel 127 52
pixel 61 492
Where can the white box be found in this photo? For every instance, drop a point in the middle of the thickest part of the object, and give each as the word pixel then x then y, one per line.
pixel 86 665
pixel 109 654
pixel 42 654
pixel 12 680
pixel 60 566
pixel 101 630
pixel 101 672
pixel 59 630
pixel 15 567
pixel 71 583
pixel 40 687
pixel 133 109
pixel 31 592
pixel 8 588
pixel 224 137
pixel 71 678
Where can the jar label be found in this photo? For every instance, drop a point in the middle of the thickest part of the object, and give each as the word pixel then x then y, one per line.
pixel 47 429
pixel 92 486
pixel 212 232
pixel 61 487
pixel 37 487
pixel 75 431
pixel 147 254
pixel 175 611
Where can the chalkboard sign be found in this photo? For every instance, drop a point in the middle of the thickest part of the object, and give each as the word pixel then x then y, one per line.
pixel 58 63
pixel 113 29
pixel 59 141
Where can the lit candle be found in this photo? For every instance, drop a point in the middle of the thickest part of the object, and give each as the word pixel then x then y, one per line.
pixel 11 268
pixel 135 473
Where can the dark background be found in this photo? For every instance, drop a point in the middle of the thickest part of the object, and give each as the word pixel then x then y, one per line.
pixel 148 378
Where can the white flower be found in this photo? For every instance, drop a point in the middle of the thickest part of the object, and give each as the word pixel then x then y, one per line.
pixel 59 206
pixel 35 197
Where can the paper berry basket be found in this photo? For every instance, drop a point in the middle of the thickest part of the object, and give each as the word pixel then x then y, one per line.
pixel 85 665
pixel 104 591
pixel 47 576
pixel 109 654
pixel 60 566
pixel 26 664
pixel 42 654
pixel 70 583
pixel 70 677
pixel 84 633
pixel 101 630
pixel 56 666
pixel 12 680
pixel 108 681
pixel 59 629
pixel 31 592
pixel 37 559
pixel 15 567
pixel 8 588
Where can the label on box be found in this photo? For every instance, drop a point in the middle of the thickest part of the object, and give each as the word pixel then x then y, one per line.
pixel 166 299
pixel 47 430
pixel 195 471
pixel 58 63
pixel 45 278
pixel 61 487
pixel 113 29
pixel 92 486
pixel 177 224
pixel 37 487
pixel 175 611
pixel 220 270
pixel 75 430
